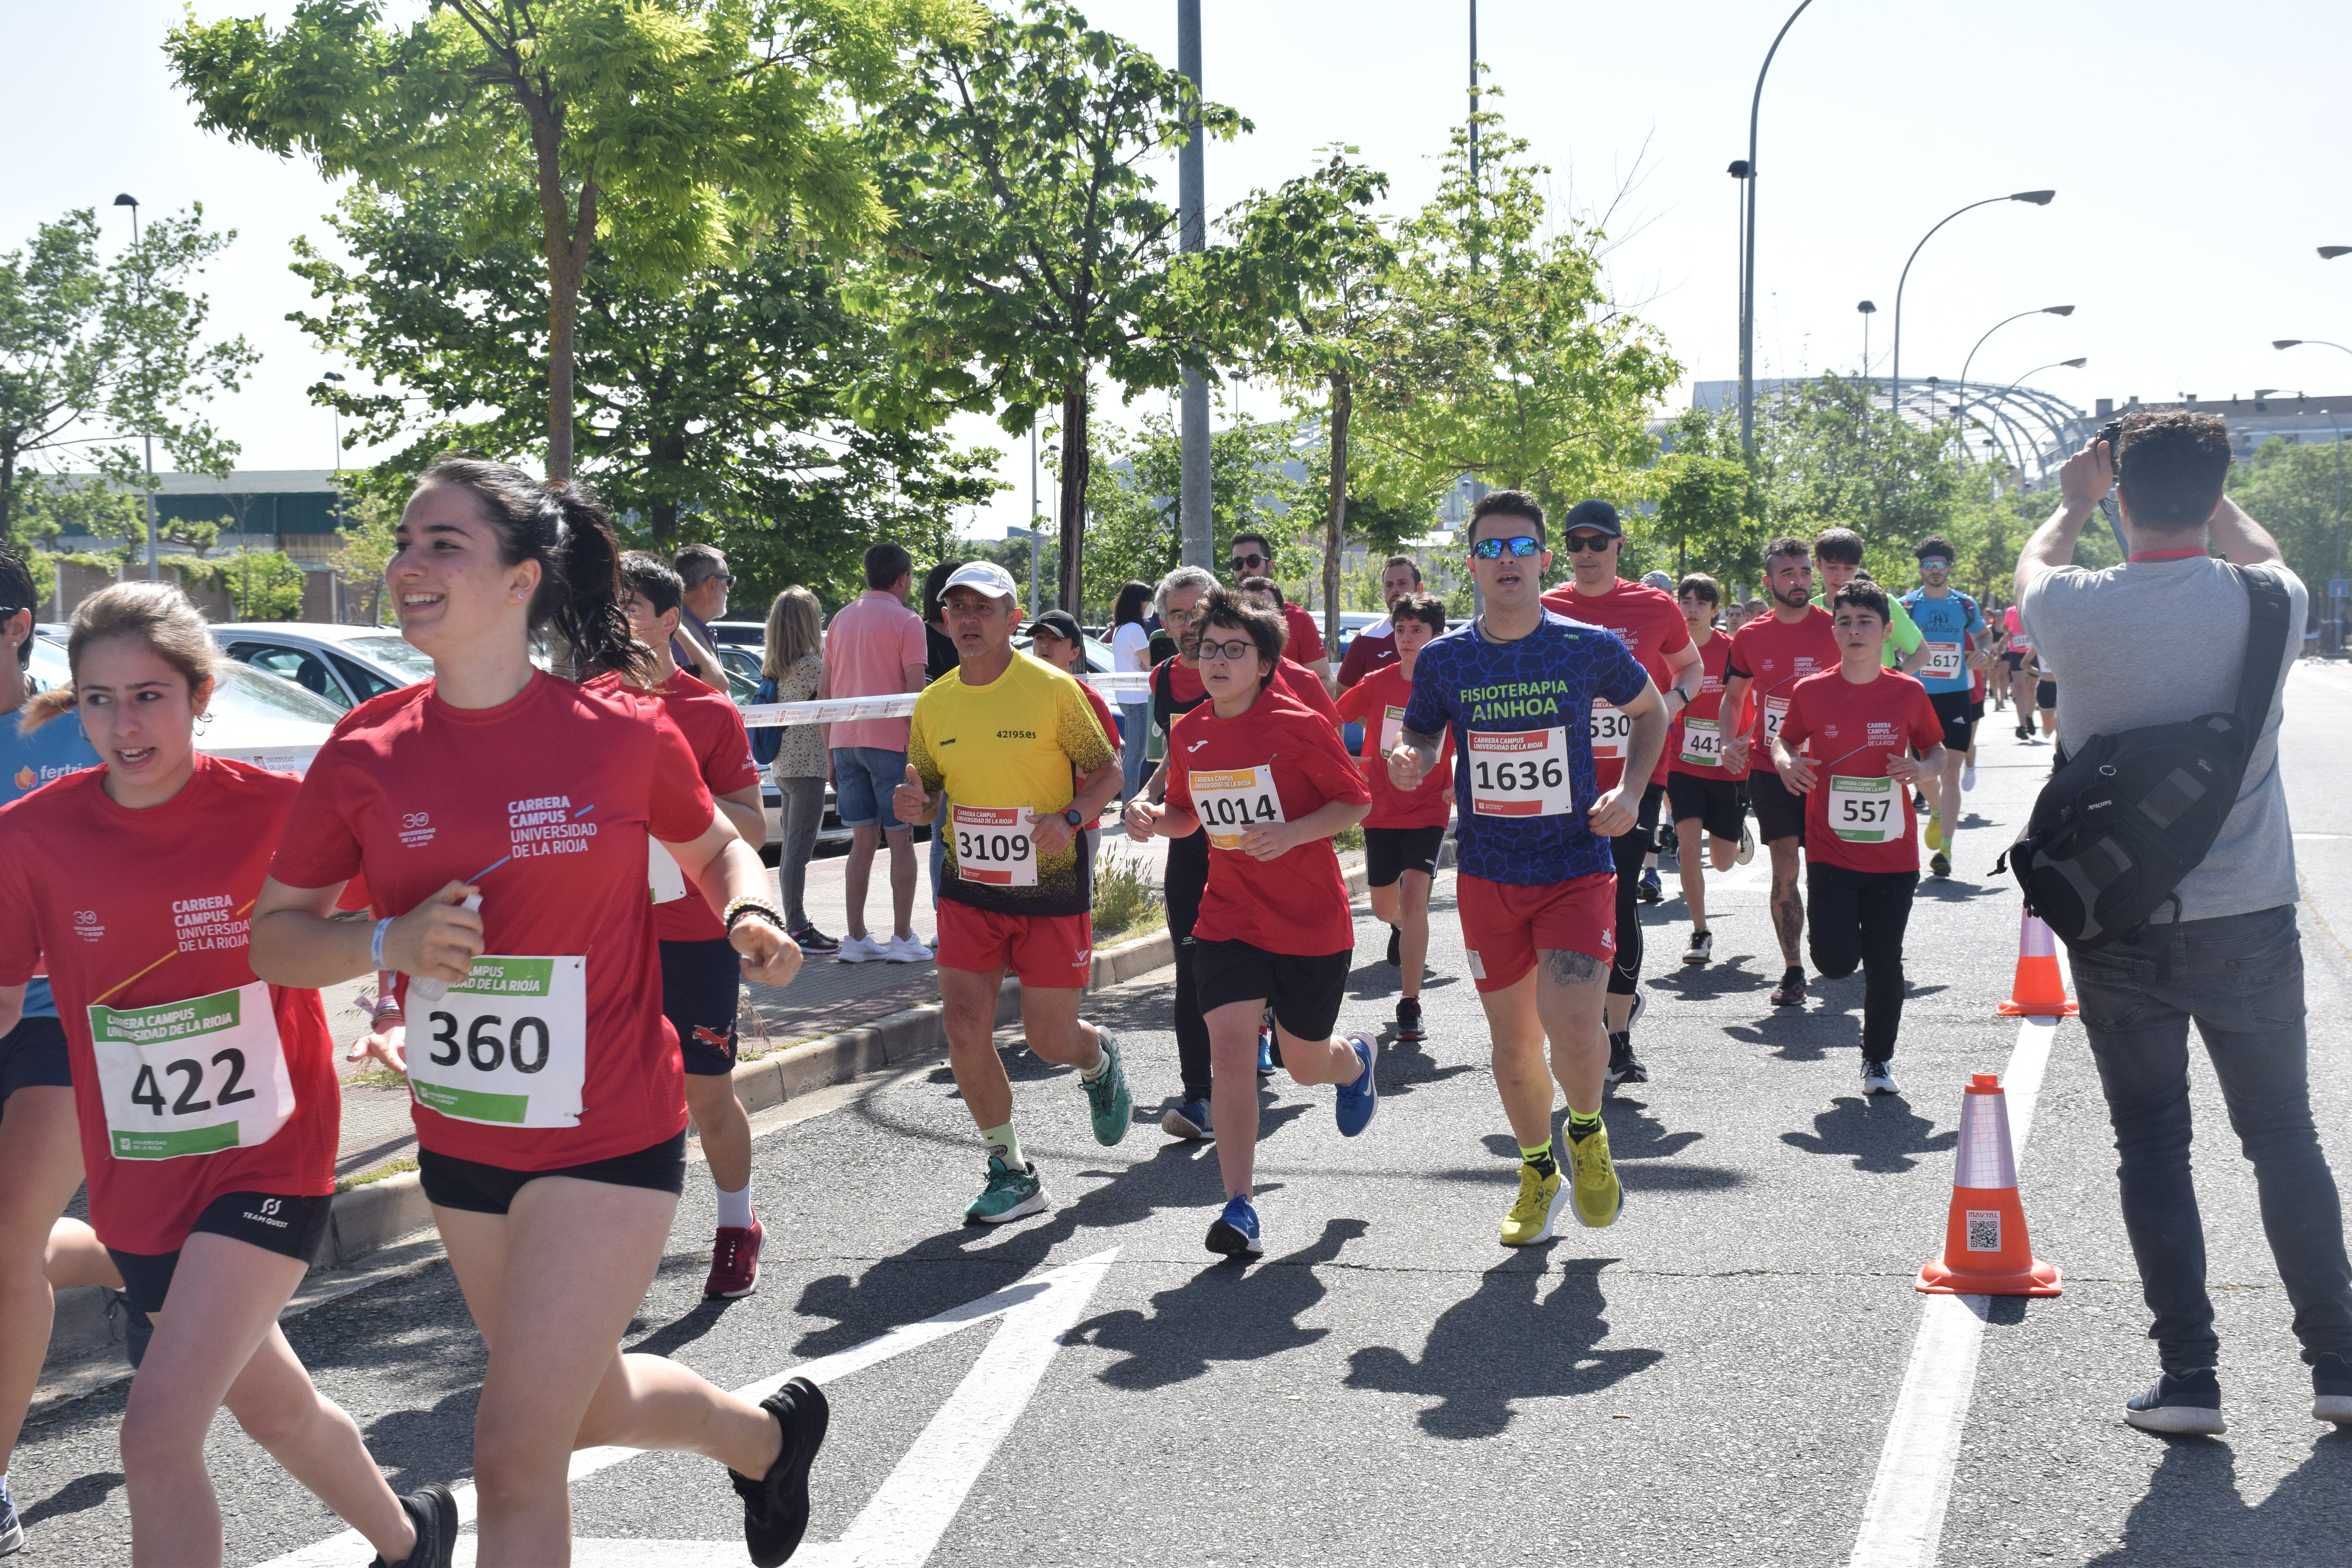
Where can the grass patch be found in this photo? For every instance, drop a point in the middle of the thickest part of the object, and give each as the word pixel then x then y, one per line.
pixel 377 1078
pixel 392 1168
pixel 1348 838
pixel 1125 901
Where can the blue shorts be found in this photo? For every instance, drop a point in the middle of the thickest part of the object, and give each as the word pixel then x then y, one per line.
pixel 33 1056
pixel 863 780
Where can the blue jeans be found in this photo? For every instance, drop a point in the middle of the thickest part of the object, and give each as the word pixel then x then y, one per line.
pixel 1137 716
pixel 2241 978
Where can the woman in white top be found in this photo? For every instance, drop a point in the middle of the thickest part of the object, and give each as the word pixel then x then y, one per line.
pixel 1130 651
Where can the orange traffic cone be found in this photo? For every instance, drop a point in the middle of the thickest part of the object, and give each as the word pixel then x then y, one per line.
pixel 1986 1249
pixel 2039 991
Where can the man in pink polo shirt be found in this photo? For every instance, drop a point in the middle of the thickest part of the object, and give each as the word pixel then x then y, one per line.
pixel 875 648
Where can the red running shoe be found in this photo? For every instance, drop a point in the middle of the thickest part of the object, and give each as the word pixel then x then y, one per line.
pixel 735 1261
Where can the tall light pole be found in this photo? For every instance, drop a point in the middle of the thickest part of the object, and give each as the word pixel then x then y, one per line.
pixel 2037 198
pixel 336 375
pixel 1033 520
pixel 2044 311
pixel 1960 409
pixel 1867 310
pixel 1474 207
pixel 1747 174
pixel 154 566
pixel 1192 194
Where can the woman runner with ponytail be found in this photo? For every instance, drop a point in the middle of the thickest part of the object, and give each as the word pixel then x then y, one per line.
pixel 509 815
pixel 207 1099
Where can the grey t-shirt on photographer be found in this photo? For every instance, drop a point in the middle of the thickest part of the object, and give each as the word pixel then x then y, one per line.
pixel 2155 642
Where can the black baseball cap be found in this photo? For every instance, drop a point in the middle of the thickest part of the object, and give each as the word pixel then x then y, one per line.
pixel 1595 517
pixel 1061 623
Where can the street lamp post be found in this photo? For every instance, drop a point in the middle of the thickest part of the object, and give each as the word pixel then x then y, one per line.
pixel 337 375
pixel 1744 172
pixel 2044 311
pixel 154 565
pixel 2037 199
pixel 1192 454
pixel 1959 411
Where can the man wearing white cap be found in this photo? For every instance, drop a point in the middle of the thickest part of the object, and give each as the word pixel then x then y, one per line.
pixel 1015 746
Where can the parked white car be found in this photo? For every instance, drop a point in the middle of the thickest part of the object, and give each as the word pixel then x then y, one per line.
pixel 343 664
pixel 255 718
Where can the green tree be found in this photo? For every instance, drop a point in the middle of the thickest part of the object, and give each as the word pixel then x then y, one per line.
pixel 370 514
pixel 663 132
pixel 1502 355
pixel 714 407
pixel 121 346
pixel 264 584
pixel 1708 512
pixel 1826 459
pixel 1029 251
pixel 1132 498
pixel 2296 490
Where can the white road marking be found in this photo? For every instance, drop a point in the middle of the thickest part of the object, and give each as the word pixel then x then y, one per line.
pixel 902 1525
pixel 1902 1523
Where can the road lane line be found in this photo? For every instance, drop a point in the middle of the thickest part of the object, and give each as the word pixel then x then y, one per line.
pixel 941 1468
pixel 1902 1523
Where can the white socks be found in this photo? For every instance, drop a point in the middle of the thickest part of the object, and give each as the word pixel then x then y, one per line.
pixel 735 1208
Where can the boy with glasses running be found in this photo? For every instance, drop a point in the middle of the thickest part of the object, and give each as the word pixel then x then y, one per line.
pixel 1517 690
pixel 1948 620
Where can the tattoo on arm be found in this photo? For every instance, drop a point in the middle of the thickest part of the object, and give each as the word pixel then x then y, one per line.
pixel 1566 968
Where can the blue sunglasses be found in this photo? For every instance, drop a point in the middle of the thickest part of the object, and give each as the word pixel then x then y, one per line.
pixel 1491 549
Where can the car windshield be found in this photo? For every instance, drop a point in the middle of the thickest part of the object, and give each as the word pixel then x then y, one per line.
pixel 397 654
pixel 245 692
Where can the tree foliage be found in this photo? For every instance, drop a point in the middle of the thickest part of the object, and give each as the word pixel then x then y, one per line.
pixel 670 135
pixel 2295 489
pixel 1029 250
pixel 121 346
pixel 1133 499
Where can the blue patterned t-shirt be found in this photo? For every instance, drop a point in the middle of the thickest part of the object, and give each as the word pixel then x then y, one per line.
pixel 26 763
pixel 1504 790
pixel 1946 623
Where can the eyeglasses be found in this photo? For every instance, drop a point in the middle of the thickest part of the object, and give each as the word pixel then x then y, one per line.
pixel 1588 543
pixel 1177 617
pixel 1491 549
pixel 1234 651
pixel 1935 564
pixel 1243 563
pixel 715 577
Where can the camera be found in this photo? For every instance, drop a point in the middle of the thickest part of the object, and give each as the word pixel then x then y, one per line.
pixel 2112 433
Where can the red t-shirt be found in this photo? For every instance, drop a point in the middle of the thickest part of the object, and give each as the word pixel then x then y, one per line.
pixel 140 909
pixel 1305 642
pixel 1775 655
pixel 1290 677
pixel 1852 731
pixel 563 783
pixel 714 731
pixel 1367 651
pixel 1709 705
pixel 1648 622
pixel 1375 700
pixel 1235 772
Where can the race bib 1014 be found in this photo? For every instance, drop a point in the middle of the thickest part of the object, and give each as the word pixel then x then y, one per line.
pixel 1232 801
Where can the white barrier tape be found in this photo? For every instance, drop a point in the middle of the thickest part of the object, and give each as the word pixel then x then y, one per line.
pixel 898 705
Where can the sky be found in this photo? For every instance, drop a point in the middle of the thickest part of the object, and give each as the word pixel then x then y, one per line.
pixel 2196 151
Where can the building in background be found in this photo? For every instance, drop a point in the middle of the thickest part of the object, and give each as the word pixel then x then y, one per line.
pixel 291 511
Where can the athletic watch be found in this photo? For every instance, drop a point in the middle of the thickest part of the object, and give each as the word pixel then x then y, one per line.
pixel 1073 819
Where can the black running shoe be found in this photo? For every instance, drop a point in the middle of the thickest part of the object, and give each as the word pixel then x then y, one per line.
pixel 1408 1025
pixel 776 1506
pixel 1623 1066
pixel 1790 992
pixel 432 1511
pixel 1396 947
pixel 811 939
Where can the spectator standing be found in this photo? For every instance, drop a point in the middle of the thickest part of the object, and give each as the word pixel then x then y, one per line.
pixel 875 648
pixel 2157 640
pixel 798 756
pixel 1375 648
pixel 1253 556
pixel 704 571
pixel 1130 653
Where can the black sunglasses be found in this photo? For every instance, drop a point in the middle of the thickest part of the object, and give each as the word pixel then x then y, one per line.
pixel 1238 561
pixel 1588 543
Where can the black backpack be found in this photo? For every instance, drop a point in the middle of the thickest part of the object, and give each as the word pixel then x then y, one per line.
pixel 2123 821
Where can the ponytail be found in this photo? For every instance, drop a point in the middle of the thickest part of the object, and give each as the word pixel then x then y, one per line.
pixel 563 527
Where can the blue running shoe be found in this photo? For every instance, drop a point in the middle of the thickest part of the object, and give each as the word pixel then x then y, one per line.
pixel 1233 1234
pixel 1359 1100
pixel 1188 1121
pixel 1264 1051
pixel 12 1533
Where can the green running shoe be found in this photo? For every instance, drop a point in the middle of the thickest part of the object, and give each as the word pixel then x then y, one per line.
pixel 1599 1196
pixel 1107 1096
pixel 1009 1193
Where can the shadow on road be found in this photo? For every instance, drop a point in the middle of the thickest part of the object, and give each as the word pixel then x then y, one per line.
pixel 1880 1133
pixel 2193 1515
pixel 1552 1340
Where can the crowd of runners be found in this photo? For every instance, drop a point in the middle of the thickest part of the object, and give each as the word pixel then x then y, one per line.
pixel 555 884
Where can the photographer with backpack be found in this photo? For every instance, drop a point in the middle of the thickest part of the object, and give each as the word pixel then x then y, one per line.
pixel 2160 852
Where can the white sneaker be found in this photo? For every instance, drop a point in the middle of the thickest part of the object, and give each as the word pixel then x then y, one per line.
pixel 1747 843
pixel 908 948
pixel 1967 777
pixel 861 950
pixel 1878 1078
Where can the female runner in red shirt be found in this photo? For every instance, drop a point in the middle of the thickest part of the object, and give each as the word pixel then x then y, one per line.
pixel 207 1099
pixel 1269 782
pixel 506 812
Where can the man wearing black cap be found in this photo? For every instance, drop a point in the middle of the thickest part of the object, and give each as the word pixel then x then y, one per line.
pixel 1650 624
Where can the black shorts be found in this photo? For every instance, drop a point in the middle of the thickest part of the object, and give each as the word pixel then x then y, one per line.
pixel 450 1183
pixel 1391 852
pixel 1305 992
pixel 700 986
pixel 1719 804
pixel 1953 708
pixel 1780 810
pixel 33 1056
pixel 2045 694
pixel 274 1222
pixel 2013 661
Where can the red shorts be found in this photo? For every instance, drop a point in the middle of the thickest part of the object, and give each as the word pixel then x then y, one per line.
pixel 1503 925
pixel 1052 951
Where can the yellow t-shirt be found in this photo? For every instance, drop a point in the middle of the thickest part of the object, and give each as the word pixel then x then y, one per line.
pixel 1006 753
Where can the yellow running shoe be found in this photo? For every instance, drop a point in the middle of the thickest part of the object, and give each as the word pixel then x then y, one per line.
pixel 1934 834
pixel 1599 1195
pixel 1529 1220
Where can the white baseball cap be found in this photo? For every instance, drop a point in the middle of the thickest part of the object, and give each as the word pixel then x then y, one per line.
pixel 985 577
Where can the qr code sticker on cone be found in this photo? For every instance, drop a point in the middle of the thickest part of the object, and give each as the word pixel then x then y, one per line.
pixel 1984 1230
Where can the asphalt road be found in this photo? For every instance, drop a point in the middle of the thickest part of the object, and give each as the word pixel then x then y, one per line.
pixel 1711 1380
